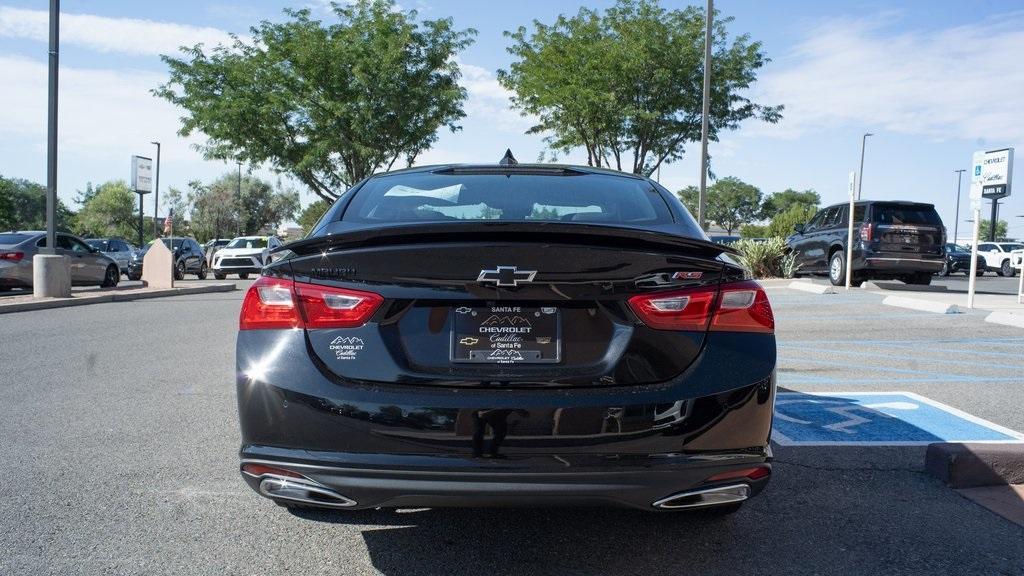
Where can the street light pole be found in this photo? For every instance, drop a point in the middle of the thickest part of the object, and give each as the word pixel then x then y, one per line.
pixel 956 220
pixel 238 200
pixel 709 22
pixel 156 191
pixel 860 179
pixel 51 135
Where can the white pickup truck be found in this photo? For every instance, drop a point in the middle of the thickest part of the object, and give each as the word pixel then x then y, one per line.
pixel 1002 257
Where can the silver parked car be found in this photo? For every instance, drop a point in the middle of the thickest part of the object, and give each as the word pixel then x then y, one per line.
pixel 89 266
pixel 118 249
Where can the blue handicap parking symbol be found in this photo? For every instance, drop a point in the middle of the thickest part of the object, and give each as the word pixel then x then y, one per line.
pixel 877 418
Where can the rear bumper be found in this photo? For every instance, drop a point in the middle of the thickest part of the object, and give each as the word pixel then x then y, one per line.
pixel 392 445
pixel 896 264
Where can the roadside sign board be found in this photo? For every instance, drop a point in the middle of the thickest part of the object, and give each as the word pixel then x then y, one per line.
pixel 877 419
pixel 993 171
pixel 142 174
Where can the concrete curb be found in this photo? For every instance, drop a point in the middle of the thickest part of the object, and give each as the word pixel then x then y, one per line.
pixel 1006 318
pixel 971 465
pixel 922 305
pixel 100 298
pixel 811 287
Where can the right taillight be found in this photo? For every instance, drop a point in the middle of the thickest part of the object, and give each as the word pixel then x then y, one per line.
pixel 276 303
pixel 735 307
pixel 866 231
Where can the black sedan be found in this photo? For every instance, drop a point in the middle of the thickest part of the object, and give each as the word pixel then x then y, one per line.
pixel 506 335
pixel 958 259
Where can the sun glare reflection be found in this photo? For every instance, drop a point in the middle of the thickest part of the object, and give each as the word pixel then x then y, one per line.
pixel 258 370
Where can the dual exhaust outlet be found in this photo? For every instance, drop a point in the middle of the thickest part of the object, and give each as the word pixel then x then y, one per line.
pixel 287 486
pixel 715 496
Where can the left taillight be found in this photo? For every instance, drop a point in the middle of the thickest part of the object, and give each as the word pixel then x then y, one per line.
pixel 275 303
pixel 12 256
pixel 734 307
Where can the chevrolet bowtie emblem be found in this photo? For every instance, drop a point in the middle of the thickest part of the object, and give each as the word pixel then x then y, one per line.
pixel 506 276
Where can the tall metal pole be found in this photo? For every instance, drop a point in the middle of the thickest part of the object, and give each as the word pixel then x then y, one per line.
pixel 995 220
pixel 156 191
pixel 238 202
pixel 51 135
pixel 956 221
pixel 860 179
pixel 709 17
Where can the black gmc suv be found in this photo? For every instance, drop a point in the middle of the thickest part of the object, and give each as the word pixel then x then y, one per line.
pixel 891 240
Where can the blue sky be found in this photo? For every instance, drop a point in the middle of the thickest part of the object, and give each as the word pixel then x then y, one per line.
pixel 934 81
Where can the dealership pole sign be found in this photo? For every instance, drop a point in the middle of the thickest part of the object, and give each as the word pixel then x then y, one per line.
pixel 142 174
pixel 993 172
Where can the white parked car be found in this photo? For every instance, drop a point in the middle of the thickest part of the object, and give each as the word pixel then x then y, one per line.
pixel 999 256
pixel 243 256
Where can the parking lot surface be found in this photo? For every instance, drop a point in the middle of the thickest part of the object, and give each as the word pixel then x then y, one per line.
pixel 120 447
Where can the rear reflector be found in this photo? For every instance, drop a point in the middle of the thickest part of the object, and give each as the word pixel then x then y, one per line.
pixel 749 473
pixel 739 307
pixel 262 469
pixel 275 303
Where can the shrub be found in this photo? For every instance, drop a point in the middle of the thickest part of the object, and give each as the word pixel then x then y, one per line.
pixel 766 259
pixel 782 224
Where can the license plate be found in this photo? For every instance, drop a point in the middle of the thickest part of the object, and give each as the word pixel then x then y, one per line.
pixel 506 335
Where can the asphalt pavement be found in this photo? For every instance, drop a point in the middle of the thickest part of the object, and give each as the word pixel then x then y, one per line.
pixel 120 441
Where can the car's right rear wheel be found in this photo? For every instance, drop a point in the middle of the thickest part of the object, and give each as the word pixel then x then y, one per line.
pixel 243 275
pixel 219 275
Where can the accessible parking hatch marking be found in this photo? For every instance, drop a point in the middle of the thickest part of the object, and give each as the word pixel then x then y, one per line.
pixel 877 419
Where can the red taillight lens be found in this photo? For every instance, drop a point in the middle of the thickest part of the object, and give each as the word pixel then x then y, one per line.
pixel 327 307
pixel 274 303
pixel 12 256
pixel 866 231
pixel 687 309
pixel 740 307
pixel 269 304
pixel 743 307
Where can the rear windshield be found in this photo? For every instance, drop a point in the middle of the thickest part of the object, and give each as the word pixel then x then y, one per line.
pixel 13 238
pixel 905 214
pixel 420 197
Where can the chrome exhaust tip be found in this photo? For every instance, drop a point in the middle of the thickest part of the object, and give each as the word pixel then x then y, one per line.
pixel 704 497
pixel 292 490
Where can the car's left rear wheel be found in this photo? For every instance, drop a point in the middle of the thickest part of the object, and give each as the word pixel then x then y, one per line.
pixel 111 277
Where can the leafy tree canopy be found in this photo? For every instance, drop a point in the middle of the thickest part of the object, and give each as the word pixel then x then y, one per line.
pixel 109 209
pixel 779 202
pixel 626 84
pixel 23 206
pixel 985 226
pixel 328 104
pixel 730 202
pixel 311 214
pixel 225 209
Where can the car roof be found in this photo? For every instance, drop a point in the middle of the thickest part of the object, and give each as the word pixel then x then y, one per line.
pixel 530 167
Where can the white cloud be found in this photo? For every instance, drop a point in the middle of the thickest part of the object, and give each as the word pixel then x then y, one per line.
pixel 103 34
pixel 488 101
pixel 960 82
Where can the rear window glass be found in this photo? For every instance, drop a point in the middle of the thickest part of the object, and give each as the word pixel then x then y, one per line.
pixel 905 214
pixel 13 238
pixel 1011 247
pixel 422 197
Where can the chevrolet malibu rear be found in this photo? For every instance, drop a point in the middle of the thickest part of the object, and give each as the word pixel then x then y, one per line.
pixel 506 336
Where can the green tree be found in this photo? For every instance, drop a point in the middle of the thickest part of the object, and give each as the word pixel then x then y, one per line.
pixel 780 202
pixel 753 231
pixel 328 104
pixel 23 206
pixel 82 197
pixel 214 209
pixel 782 224
pixel 311 214
pixel 985 226
pixel 626 84
pixel 108 210
pixel 730 202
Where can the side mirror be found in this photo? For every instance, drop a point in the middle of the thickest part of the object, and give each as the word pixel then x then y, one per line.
pixel 799 228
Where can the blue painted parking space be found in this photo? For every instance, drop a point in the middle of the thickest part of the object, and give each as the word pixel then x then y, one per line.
pixel 877 419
